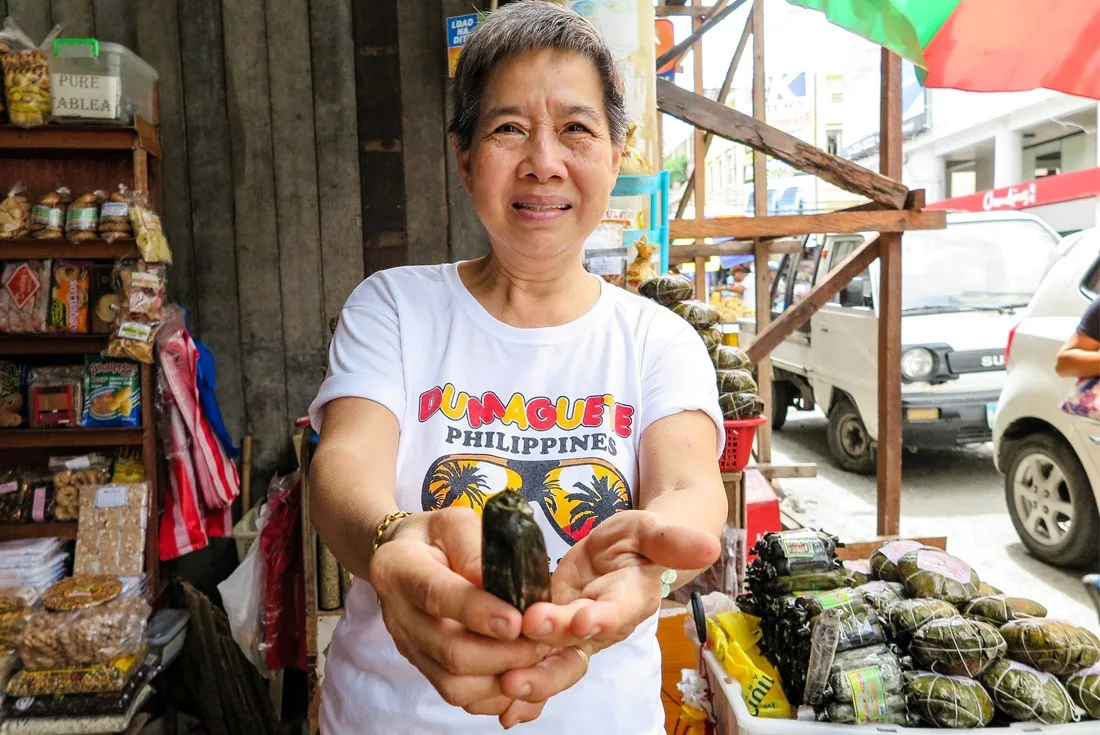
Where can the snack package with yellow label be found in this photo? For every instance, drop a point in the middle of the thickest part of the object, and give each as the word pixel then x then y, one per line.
pixel 112 392
pixel 733 637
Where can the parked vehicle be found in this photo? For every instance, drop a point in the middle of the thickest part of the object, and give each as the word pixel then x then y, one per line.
pixel 962 290
pixel 1051 459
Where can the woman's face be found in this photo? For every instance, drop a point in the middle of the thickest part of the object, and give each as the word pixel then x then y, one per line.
pixel 541 165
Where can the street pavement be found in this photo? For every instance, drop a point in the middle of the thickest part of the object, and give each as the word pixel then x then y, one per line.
pixel 958 494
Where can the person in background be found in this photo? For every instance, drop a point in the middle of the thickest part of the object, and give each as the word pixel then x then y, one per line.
pixel 1080 355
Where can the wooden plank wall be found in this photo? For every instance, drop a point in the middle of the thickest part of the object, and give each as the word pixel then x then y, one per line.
pixel 304 147
pixel 261 184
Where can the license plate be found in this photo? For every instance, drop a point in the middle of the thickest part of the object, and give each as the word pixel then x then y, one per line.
pixel 991 414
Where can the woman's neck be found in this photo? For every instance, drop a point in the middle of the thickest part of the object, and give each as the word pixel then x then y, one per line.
pixel 530 300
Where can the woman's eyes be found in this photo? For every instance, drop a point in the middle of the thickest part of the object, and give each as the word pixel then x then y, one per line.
pixel 576 128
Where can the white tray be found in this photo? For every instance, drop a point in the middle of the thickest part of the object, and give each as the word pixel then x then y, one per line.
pixel 734 718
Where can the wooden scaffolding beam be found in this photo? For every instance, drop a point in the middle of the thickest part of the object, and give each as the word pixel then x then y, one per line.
pixel 760 254
pixel 787 225
pixel 699 150
pixel 738 127
pixel 700 26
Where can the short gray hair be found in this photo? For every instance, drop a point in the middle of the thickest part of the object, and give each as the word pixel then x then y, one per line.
pixel 522 27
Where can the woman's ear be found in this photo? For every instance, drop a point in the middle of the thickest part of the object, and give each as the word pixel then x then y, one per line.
pixel 464 165
pixel 616 160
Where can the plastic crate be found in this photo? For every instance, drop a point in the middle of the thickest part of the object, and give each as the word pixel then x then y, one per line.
pixel 739 437
pixel 245 533
pixel 734 719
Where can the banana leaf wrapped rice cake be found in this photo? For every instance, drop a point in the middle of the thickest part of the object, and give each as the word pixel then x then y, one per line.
pixel 1052 646
pixel 885 559
pixel 893 711
pixel 737 406
pixel 736 381
pixel 698 314
pixel 1025 694
pixel 1000 609
pixel 711 337
pixel 908 616
pixel 1084 687
pixel 802 551
pixel 859 571
pixel 948 701
pixel 957 646
pixel 730 358
pixel 881 595
pixel 859 627
pixel 666 290
pixel 937 574
pixel 815 603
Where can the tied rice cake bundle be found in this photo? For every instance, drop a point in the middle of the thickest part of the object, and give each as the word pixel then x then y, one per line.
pixel 859 571
pixel 736 381
pixel 711 337
pixel 801 551
pixel 908 616
pixel 740 406
pixel 985 590
pixel 937 574
pixel 1000 609
pixel 730 358
pixel 816 582
pixel 893 711
pixel 1027 695
pixel 859 627
pixel 666 290
pixel 948 701
pixel 881 595
pixel 848 682
pixel 1052 646
pixel 885 559
pixel 698 314
pixel 815 603
pixel 1084 687
pixel 957 646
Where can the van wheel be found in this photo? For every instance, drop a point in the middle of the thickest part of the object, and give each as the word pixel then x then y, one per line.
pixel 849 442
pixel 781 403
pixel 1050 502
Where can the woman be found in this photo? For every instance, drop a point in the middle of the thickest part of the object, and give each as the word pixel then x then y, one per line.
pixel 518 370
pixel 1080 355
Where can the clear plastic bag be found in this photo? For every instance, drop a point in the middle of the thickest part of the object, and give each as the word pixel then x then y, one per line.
pixel 25 296
pixel 114 216
pixel 82 218
pixel 15 214
pixel 144 288
pixel 823 645
pixel 242 595
pixel 284 608
pixel 96 679
pixel 94 635
pixel 722 576
pixel 110 537
pixel 147 230
pixel 48 214
pixel 26 76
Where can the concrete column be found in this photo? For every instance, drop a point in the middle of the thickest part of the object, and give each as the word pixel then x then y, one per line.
pixel 1007 158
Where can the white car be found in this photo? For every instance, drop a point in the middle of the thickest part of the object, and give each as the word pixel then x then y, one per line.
pixel 1051 459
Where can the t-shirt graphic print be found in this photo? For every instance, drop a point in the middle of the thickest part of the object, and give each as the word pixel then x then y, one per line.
pixel 555 414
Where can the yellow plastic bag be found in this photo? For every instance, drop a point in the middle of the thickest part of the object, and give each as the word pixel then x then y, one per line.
pixel 733 637
pixel 691 721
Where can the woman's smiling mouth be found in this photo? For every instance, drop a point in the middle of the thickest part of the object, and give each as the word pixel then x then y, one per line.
pixel 541 209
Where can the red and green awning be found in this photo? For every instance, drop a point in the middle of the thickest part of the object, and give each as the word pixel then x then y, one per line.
pixel 984 45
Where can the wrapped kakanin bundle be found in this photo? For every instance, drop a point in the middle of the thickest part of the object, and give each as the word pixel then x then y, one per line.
pixel 881 595
pixel 999 609
pixel 885 559
pixel 737 406
pixel 666 290
pixel 948 701
pixel 730 358
pixel 937 574
pixel 698 314
pixel 711 337
pixel 1084 687
pixel 796 552
pixel 908 616
pixel 736 381
pixel 957 646
pixel 1051 645
pixel 514 562
pixel 1027 695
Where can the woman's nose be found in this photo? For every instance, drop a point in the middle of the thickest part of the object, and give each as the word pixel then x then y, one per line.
pixel 544 159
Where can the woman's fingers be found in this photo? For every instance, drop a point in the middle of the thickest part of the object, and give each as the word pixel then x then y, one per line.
pixel 545 679
pixel 521 712
pixel 459 691
pixel 676 547
pixel 494 707
pixel 462 653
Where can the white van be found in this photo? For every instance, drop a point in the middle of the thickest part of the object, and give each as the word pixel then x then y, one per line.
pixel 963 288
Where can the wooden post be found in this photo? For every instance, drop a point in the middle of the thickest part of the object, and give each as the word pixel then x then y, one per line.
pixel 760 260
pixel 889 317
pixel 700 155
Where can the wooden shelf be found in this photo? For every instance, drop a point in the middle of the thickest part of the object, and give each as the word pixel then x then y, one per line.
pixel 88 249
pixel 52 344
pixel 37 530
pixel 55 137
pixel 79 437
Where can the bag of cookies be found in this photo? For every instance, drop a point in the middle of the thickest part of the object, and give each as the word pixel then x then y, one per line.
pixel 48 214
pixel 87 636
pixel 13 386
pixel 82 219
pixel 25 296
pixel 112 392
pixel 39 499
pixel 110 537
pixel 12 492
pixel 143 288
pixel 147 229
pixel 114 217
pixel 70 474
pixel 69 297
pixel 15 214
pixel 26 75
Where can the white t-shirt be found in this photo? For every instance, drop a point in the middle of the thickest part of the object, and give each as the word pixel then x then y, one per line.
pixel 555 412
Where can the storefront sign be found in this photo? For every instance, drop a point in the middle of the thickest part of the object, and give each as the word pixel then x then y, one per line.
pixel 1048 190
pixel 459 27
pixel 666 39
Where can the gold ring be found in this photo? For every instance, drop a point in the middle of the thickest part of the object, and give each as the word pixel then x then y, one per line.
pixel 584 658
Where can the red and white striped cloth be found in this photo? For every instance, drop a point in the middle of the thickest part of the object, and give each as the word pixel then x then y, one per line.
pixel 204 482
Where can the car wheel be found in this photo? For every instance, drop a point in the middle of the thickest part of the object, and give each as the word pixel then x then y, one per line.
pixel 781 403
pixel 1050 502
pixel 849 442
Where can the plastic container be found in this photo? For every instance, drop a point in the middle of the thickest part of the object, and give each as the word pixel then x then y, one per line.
pixel 734 719
pixel 738 449
pixel 167 632
pixel 101 82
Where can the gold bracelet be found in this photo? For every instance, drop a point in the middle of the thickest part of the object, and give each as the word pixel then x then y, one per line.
pixel 385 524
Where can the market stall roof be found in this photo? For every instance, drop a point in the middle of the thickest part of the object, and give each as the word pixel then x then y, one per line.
pixel 983 45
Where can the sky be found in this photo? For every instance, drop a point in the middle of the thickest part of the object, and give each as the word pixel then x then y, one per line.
pixel 795 39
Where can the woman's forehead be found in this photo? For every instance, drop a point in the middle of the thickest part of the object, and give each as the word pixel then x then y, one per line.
pixel 547 78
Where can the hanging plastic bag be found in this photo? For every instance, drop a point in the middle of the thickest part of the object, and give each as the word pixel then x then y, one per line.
pixel 284 587
pixel 243 596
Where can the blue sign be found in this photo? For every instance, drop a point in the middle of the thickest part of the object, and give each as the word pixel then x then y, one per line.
pixel 458 28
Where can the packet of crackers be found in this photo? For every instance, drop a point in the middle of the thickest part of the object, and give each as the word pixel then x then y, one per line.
pixel 147 229
pixel 110 536
pixel 26 75
pixel 82 218
pixel 114 216
pixel 15 214
pixel 88 636
pixel 48 214
pixel 70 474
